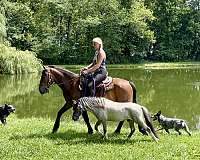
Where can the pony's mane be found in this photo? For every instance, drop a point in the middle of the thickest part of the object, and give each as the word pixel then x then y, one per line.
pixel 65 71
pixel 93 100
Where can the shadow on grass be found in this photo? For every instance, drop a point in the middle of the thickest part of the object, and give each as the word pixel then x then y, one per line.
pixel 74 137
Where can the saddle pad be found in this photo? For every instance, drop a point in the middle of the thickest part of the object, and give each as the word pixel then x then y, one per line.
pixel 106 82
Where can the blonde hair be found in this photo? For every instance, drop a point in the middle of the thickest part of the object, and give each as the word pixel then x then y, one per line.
pixel 99 41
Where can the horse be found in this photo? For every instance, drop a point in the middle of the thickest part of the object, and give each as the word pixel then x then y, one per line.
pixel 107 110
pixel 122 91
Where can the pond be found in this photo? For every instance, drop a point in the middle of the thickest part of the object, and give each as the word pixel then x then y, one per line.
pixel 176 92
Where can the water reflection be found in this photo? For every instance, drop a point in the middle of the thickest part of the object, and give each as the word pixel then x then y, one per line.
pixel 12 85
pixel 174 91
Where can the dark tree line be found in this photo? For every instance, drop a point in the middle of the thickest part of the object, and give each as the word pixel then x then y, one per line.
pixel 60 31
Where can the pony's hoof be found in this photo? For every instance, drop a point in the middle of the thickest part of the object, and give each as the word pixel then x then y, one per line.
pixel 144 133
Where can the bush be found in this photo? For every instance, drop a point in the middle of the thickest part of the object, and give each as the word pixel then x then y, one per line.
pixel 13 61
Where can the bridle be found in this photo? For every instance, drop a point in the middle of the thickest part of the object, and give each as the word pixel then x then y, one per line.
pixel 50 80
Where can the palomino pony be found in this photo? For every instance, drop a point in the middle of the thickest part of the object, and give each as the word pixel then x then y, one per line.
pixel 107 110
pixel 122 91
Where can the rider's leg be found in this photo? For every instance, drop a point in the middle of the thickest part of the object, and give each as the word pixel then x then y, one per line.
pixel 98 78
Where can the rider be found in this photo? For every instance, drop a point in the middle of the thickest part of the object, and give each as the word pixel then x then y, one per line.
pixel 97 67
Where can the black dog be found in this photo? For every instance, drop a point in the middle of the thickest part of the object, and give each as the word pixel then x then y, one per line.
pixel 171 123
pixel 5 110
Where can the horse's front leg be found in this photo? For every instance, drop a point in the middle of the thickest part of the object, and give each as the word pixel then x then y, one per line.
pixel 59 114
pixel 87 121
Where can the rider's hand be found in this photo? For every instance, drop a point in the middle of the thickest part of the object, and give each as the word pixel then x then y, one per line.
pixel 83 69
pixel 84 72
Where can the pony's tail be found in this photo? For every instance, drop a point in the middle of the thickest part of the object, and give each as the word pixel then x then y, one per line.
pixel 148 120
pixel 134 91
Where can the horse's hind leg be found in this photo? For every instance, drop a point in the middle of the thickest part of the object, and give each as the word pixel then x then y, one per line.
pixel 132 127
pixel 87 121
pixel 117 131
pixel 59 114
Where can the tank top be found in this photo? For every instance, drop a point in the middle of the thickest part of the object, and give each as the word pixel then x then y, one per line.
pixel 103 63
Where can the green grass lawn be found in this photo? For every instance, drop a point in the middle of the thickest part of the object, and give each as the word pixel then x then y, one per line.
pixel 32 139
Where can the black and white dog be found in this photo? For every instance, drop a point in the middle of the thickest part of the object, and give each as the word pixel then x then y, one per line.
pixel 171 123
pixel 5 110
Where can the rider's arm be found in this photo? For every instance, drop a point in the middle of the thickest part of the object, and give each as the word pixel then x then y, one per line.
pixel 90 65
pixel 100 58
pixel 85 68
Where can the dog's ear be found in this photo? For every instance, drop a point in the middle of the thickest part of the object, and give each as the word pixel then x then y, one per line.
pixel 6 105
pixel 159 112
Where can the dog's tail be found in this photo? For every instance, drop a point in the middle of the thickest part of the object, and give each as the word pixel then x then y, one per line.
pixel 134 91
pixel 148 120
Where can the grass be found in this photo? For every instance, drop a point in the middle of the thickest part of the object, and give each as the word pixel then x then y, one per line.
pixel 31 139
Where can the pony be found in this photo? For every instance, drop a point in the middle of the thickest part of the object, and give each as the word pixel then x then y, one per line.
pixel 122 91
pixel 107 110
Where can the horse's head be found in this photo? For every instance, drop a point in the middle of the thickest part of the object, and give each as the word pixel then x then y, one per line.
pixel 77 110
pixel 46 80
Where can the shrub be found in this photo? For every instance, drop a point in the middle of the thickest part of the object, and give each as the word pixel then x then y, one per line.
pixel 13 61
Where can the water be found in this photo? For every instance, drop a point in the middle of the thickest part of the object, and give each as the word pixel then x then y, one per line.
pixel 176 92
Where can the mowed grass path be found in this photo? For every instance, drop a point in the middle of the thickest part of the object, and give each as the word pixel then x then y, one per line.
pixel 32 139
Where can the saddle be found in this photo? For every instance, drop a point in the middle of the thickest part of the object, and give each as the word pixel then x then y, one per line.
pixel 100 89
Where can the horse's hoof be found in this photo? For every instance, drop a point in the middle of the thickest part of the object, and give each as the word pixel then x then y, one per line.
pixel 90 132
pixel 54 131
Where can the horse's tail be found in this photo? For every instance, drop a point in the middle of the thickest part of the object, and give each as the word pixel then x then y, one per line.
pixel 134 91
pixel 148 120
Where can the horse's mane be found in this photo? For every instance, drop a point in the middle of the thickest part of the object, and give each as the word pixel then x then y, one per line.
pixel 65 72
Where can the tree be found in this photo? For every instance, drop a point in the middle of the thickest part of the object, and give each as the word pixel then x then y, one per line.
pixel 2 23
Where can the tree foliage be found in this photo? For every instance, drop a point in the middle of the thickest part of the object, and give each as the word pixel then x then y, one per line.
pixel 60 32
pixel 2 23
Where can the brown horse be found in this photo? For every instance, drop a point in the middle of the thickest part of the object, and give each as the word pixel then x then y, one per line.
pixel 122 91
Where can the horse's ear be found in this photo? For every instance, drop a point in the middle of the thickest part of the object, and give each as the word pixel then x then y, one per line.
pixel 44 67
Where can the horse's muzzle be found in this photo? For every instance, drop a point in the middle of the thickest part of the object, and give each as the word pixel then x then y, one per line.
pixel 43 90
